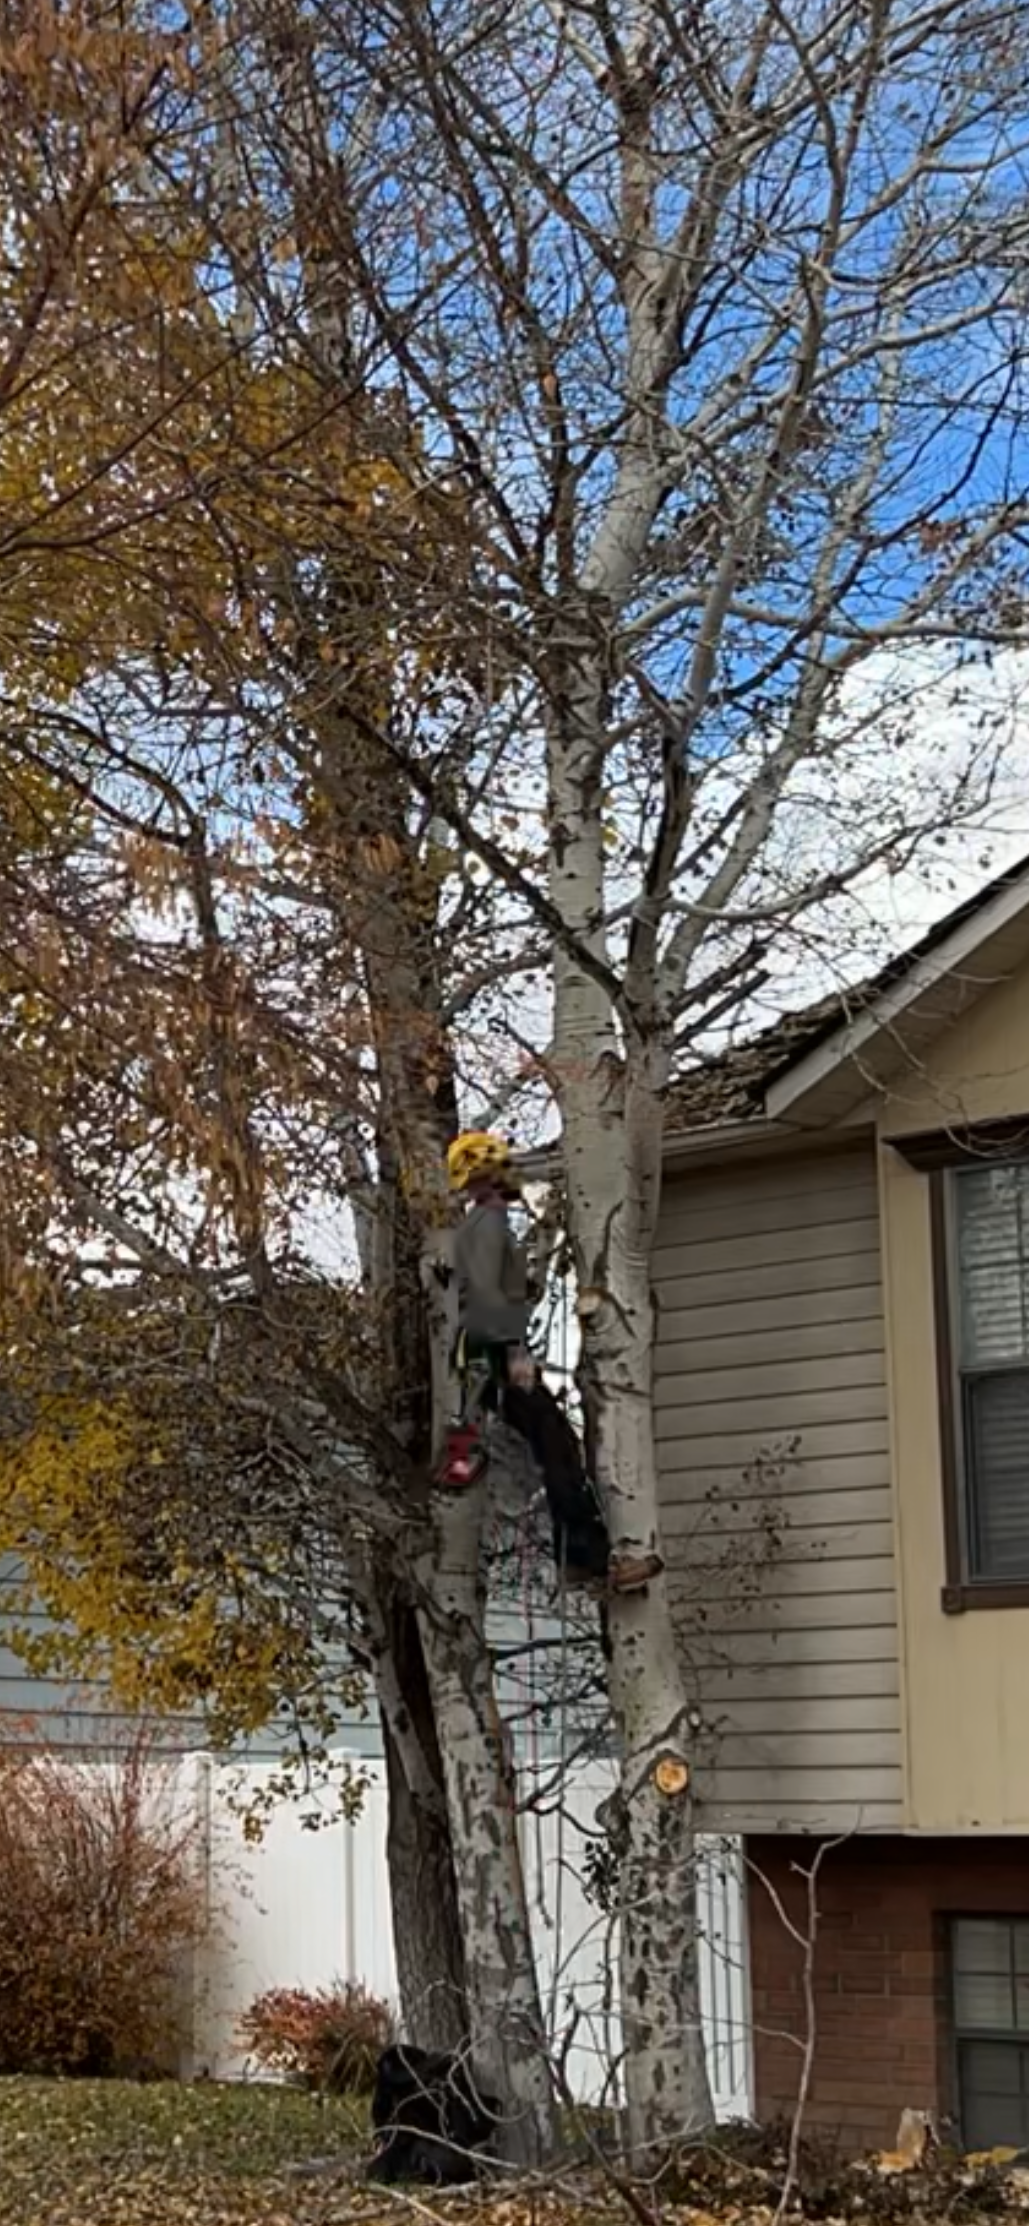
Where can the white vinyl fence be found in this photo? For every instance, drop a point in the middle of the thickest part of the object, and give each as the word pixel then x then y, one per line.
pixel 305 1908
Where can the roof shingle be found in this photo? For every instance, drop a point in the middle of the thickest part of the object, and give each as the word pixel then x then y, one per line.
pixel 732 1086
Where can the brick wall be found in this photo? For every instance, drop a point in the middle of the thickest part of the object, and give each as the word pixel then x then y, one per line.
pixel 881 1981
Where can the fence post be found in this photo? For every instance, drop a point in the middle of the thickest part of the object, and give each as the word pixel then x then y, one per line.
pixel 195 2056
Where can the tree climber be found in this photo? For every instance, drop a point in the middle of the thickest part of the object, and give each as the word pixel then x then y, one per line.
pixel 497 1371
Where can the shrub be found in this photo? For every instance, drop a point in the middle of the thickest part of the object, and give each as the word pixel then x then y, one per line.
pixel 103 1893
pixel 331 2039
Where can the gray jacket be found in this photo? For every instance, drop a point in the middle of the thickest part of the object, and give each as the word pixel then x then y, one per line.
pixel 492 1279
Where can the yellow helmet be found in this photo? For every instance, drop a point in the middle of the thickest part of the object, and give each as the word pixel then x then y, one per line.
pixel 477 1153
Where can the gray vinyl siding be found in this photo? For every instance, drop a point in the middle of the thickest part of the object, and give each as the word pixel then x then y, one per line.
pixel 81 1715
pixel 773 1448
pixel 545 1664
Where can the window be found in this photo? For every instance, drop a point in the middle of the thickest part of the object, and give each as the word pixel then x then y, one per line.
pixel 979 1208
pixel 989 1258
pixel 990 1994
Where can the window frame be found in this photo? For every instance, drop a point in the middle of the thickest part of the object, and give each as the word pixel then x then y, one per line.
pixel 936 1154
pixel 962 2036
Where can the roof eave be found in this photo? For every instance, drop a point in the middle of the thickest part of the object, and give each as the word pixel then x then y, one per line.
pixel 868 1051
pixel 716 1138
pixel 681 1148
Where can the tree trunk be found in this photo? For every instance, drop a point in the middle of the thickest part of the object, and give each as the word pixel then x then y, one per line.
pixel 667 2088
pixel 395 915
pixel 423 1902
pixel 506 2023
pixel 609 1080
pixel 423 1891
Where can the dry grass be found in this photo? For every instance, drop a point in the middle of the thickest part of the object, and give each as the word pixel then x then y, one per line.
pixel 112 2153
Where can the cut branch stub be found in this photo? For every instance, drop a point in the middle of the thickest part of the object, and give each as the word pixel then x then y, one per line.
pixel 671 1774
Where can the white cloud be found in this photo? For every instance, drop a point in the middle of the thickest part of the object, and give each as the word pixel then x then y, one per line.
pixel 940 754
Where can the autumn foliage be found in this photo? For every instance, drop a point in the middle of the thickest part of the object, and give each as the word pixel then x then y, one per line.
pixel 102 1897
pixel 330 2040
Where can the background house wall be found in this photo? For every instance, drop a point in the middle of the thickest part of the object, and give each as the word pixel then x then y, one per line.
pixel 964 1676
pixel 883 2025
pixel 773 1439
pixel 80 1714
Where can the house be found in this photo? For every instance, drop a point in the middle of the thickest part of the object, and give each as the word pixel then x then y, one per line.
pixel 842 1279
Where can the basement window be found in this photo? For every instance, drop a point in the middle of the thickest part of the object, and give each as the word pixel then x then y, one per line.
pixel 990 1993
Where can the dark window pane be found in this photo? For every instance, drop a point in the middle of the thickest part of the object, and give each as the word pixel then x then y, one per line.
pixel 993 2081
pixel 982 1943
pixel 996 1412
pixel 992 1243
pixel 984 2000
pixel 992 2067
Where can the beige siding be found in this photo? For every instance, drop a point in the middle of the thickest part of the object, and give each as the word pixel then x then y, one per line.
pixel 773 1441
pixel 965 1676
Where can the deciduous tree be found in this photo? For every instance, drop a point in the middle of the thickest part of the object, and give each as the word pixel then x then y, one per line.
pixel 719 317
pixel 602 395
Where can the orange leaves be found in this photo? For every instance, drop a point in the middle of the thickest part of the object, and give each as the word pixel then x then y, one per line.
pixel 380 854
pixel 209 574
pixel 71 38
pixel 330 2039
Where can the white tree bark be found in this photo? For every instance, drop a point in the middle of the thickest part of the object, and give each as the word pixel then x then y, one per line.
pixel 667 2088
pixel 609 1078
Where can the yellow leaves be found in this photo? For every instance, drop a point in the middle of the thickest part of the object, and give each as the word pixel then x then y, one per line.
pixel 157 872
pixel 915 2141
pixel 129 1600
pixel 58 1482
pixel 35 809
pixel 75 1445
pixel 439 862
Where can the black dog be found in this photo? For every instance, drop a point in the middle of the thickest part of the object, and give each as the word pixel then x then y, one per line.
pixel 431 2119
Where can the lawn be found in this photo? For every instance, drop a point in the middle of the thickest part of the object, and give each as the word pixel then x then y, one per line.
pixel 107 2153
pixel 84 2153
pixel 112 2153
